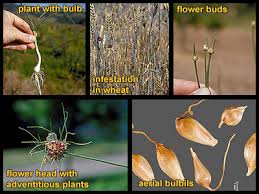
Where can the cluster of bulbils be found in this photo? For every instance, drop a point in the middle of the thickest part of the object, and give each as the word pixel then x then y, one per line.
pixel 191 129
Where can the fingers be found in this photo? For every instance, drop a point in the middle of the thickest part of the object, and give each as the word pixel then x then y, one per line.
pixel 184 87
pixel 22 37
pixel 30 46
pixel 20 47
pixel 17 34
pixel 16 47
pixel 21 25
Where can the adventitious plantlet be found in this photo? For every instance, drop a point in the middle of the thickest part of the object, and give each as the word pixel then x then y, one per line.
pixel 55 148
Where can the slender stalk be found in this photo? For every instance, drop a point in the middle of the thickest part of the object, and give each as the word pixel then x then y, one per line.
pixel 195 65
pixel 43 142
pixel 211 52
pixel 253 42
pixel 96 159
pixel 196 72
pixel 143 133
pixel 29 133
pixel 38 127
pixel 207 78
pixel 205 65
pixel 189 111
pixel 31 23
pixel 224 165
pixel 80 144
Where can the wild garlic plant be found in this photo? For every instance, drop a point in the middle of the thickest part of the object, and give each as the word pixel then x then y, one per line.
pixel 38 75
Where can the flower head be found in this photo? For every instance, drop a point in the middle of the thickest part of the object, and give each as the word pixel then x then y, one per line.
pixel 205 47
pixel 253 23
pixel 211 51
pixel 195 58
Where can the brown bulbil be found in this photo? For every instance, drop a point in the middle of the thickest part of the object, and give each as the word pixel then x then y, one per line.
pixel 250 154
pixel 202 174
pixel 169 162
pixel 141 168
pixel 191 129
pixel 166 159
pixel 232 116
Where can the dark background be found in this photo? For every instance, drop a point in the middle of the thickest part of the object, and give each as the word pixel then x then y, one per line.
pixel 157 119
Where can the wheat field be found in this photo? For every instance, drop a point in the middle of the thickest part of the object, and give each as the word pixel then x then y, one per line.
pixel 130 40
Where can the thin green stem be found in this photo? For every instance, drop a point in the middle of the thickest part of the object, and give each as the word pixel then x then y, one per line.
pixel 253 42
pixel 29 133
pixel 96 159
pixel 194 51
pixel 65 115
pixel 31 23
pixel 195 66
pixel 43 142
pixel 39 127
pixel 205 65
pixel 80 144
pixel 207 84
pixel 196 72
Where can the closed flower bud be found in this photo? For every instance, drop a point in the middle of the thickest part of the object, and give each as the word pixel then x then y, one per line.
pixel 210 51
pixel 195 58
pixel 253 23
pixel 205 47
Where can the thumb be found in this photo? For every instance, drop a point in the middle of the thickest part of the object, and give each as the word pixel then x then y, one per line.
pixel 22 37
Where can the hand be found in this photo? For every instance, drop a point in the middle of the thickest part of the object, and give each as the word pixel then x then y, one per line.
pixel 17 34
pixel 184 87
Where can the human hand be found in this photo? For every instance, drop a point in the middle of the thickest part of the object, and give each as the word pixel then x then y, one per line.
pixel 17 34
pixel 184 87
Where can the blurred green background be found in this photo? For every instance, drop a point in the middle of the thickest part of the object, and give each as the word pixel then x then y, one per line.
pixel 104 122
pixel 61 41
pixel 237 14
